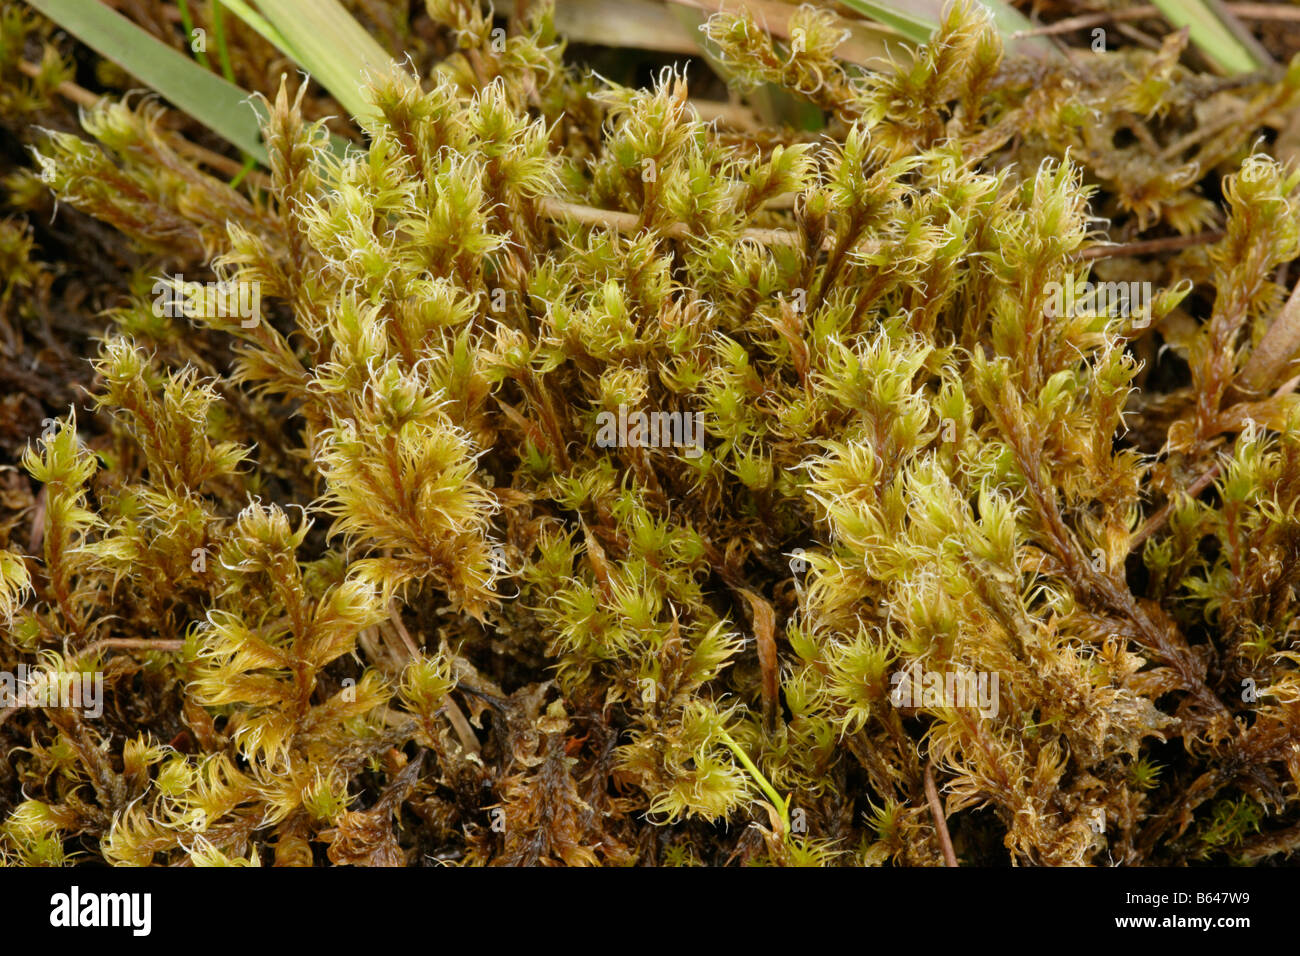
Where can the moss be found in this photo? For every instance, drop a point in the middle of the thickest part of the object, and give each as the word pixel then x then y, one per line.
pixel 368 586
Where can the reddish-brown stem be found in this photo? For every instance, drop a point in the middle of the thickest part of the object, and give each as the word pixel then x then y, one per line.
pixel 1148 246
pixel 1275 350
pixel 940 821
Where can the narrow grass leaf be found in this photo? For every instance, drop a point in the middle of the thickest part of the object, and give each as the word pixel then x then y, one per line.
pixel 335 49
pixel 219 105
pixel 917 20
pixel 1214 36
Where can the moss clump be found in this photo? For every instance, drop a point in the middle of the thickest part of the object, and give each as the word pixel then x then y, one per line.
pixel 419 560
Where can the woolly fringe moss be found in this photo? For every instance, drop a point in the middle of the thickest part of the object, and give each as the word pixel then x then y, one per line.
pixel 369 586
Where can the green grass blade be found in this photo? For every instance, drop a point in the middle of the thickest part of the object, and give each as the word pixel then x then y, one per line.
pixel 917 20
pixel 1011 21
pixel 324 38
pixel 259 25
pixel 1212 35
pixel 219 105
pixel 908 23
pixel 187 22
pixel 219 36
